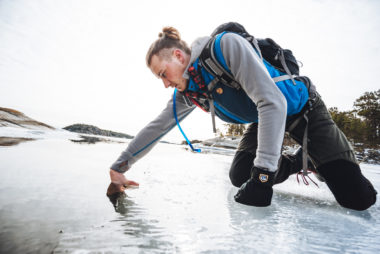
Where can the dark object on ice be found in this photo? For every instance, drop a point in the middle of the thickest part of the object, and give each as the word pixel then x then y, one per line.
pixel 87 140
pixel 115 195
pixel 93 140
pixel 119 200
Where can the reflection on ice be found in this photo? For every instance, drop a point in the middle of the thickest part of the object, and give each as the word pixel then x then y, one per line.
pixel 88 139
pixel 9 141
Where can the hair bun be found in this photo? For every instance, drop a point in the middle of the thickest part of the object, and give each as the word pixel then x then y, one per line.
pixel 170 32
pixel 169 38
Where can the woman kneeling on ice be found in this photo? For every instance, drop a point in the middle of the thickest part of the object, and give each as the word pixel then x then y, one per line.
pixel 252 91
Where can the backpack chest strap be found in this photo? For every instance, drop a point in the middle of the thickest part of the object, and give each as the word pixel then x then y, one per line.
pixel 284 77
pixel 208 61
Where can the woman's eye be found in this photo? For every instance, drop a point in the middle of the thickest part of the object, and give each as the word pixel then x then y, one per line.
pixel 163 74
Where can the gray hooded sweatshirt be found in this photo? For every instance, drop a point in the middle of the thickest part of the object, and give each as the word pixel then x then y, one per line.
pixel 249 70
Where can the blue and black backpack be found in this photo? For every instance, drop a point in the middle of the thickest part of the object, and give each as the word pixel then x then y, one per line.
pixel 281 59
pixel 206 81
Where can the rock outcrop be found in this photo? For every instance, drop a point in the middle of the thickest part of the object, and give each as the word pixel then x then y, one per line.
pixel 90 129
pixel 13 118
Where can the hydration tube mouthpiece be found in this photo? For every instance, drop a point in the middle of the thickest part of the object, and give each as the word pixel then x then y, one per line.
pixel 179 127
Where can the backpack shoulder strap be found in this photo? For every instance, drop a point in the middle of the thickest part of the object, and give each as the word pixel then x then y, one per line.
pixel 209 61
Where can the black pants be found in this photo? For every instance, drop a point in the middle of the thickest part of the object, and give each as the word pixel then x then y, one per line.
pixel 329 150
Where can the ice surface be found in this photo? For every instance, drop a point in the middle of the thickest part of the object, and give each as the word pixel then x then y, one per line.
pixel 184 205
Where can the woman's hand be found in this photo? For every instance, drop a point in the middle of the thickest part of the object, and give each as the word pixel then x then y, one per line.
pixel 120 182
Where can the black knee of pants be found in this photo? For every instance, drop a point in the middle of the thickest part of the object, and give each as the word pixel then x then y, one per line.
pixel 289 164
pixel 348 185
pixel 240 170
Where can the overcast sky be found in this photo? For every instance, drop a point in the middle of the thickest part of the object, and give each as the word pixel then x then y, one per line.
pixel 83 61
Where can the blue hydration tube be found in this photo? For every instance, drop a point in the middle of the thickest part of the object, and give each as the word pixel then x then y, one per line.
pixel 179 127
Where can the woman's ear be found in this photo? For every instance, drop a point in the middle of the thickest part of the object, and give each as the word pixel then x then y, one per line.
pixel 177 53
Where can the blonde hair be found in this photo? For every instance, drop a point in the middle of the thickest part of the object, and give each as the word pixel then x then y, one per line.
pixel 169 38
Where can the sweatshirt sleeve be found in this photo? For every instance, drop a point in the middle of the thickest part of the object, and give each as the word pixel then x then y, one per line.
pixel 249 70
pixel 149 136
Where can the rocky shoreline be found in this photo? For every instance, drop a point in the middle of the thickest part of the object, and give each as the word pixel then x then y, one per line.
pixel 15 128
pixel 13 118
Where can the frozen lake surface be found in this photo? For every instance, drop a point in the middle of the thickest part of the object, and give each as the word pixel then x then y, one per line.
pixel 53 199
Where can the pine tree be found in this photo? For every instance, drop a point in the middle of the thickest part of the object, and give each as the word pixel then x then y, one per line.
pixel 235 129
pixel 368 106
pixel 352 126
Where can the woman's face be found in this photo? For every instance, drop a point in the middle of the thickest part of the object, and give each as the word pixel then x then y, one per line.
pixel 170 69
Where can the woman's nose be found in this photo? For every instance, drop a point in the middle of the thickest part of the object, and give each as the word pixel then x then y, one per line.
pixel 166 82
